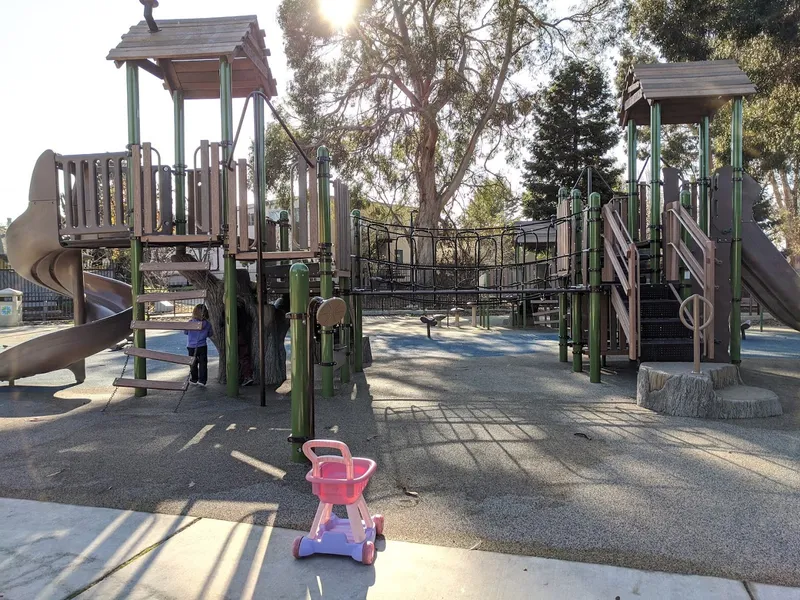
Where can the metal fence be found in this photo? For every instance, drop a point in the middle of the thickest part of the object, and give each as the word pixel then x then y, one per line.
pixel 40 304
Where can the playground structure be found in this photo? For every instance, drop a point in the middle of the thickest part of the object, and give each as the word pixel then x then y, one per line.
pixel 132 199
pixel 638 256
pixel 635 257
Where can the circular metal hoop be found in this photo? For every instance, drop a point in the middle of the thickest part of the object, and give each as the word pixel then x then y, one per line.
pixel 685 306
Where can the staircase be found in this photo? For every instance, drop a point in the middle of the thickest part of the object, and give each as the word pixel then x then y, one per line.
pixel 151 325
pixel 664 337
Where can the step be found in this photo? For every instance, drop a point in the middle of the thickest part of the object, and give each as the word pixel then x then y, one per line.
pixel 667 350
pixel 152 384
pixel 746 402
pixel 174 266
pixel 169 296
pixel 664 327
pixel 168 325
pixel 658 309
pixel 656 291
pixel 178 359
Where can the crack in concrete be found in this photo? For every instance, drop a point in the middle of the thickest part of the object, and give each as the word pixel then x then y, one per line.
pixel 132 559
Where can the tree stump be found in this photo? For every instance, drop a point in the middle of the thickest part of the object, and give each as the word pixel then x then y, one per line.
pixel 714 393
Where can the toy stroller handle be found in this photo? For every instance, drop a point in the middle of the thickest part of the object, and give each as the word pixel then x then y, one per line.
pixel 346 458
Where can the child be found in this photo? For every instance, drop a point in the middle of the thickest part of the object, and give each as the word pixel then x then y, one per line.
pixel 197 346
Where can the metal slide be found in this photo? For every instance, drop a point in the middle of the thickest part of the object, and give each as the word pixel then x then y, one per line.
pixel 769 277
pixel 34 251
pixel 765 272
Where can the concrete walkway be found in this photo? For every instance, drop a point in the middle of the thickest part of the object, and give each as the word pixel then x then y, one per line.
pixel 62 551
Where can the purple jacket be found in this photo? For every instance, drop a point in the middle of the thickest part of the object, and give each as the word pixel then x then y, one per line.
pixel 198 338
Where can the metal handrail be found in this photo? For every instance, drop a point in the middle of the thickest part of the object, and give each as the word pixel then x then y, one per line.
pixel 704 273
pixel 695 325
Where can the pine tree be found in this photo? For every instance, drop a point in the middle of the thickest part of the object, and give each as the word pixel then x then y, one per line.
pixel 574 127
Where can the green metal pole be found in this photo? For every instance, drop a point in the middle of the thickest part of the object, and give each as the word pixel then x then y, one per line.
pixel 301 409
pixel 736 241
pixel 563 335
pixel 704 200
pixel 655 191
pixel 283 224
pixel 259 101
pixel 633 195
pixel 577 325
pixel 231 321
pixel 180 163
pixel 685 285
pixel 594 289
pixel 344 371
pixel 521 281
pixel 325 267
pixel 137 283
pixel 358 332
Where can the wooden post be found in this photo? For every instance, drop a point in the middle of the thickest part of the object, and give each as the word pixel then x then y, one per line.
pixel 134 172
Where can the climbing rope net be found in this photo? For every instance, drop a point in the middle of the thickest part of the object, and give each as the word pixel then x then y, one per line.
pixel 421 268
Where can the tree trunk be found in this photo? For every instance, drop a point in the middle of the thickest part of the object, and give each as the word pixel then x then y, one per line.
pixel 276 325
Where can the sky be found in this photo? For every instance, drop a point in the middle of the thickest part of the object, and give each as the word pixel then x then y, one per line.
pixel 62 94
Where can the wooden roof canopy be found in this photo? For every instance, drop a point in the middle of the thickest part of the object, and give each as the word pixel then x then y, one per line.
pixel 687 91
pixel 187 54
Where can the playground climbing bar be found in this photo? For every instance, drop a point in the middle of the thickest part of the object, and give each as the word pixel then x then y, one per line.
pixel 231 324
pixel 577 326
pixel 633 209
pixel 358 348
pixel 301 409
pixel 563 336
pixel 325 266
pixel 594 288
pixel 137 285
pixel 260 194
pixel 736 232
pixel 655 191
pixel 180 162
pixel 705 188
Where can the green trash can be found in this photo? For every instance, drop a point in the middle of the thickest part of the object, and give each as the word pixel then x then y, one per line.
pixel 10 308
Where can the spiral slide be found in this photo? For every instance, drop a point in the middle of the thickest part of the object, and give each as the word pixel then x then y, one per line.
pixel 34 251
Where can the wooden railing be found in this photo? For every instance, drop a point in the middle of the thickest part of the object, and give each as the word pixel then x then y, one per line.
pixel 93 189
pixel 622 264
pixel 678 220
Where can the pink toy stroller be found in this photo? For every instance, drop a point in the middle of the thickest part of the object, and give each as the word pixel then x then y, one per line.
pixel 339 480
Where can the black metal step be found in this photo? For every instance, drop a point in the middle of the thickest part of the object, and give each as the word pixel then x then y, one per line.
pixel 667 350
pixel 664 327
pixel 656 291
pixel 659 309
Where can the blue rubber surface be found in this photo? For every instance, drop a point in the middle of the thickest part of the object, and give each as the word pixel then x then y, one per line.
pixel 484 344
pixel 771 344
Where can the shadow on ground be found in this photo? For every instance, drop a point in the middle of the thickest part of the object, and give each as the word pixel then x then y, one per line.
pixel 513 453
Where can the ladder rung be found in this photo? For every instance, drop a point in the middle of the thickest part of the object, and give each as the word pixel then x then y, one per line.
pixel 167 296
pixel 152 384
pixel 168 325
pixel 175 266
pixel 178 359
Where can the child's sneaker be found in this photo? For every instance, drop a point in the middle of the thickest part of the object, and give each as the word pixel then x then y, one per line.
pixel 201 384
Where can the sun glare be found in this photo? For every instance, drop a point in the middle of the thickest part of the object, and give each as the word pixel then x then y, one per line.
pixel 338 13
